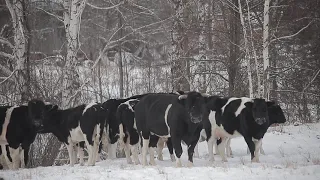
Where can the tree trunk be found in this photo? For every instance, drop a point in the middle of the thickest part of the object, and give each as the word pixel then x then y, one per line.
pixel 121 86
pixel 180 63
pixel 234 50
pixel 203 10
pixel 247 55
pixel 21 47
pixel 72 18
pixel 265 51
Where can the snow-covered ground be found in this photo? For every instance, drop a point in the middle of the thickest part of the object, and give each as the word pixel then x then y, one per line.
pixel 291 154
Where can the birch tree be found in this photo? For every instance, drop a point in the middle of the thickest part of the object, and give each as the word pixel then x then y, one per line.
pixel 72 19
pixel 247 55
pixel 17 10
pixel 265 52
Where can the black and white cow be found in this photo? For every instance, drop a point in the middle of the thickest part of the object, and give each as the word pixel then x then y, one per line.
pixel 167 115
pixel 232 117
pixel 75 125
pixel 19 126
pixel 276 116
pixel 112 127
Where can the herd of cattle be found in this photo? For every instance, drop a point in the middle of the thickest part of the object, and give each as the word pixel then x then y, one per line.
pixel 152 119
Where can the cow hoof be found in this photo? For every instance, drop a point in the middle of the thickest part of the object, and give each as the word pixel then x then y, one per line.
pixel 152 163
pixel 82 164
pixel 129 162
pixel 160 158
pixel 211 159
pixel 137 163
pixel 178 164
pixel 255 160
pixel 173 159
pixel 190 164
pixel 224 160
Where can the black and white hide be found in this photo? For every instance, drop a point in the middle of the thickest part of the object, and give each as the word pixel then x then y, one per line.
pixel 112 127
pixel 75 125
pixel 168 115
pixel 19 127
pixel 233 117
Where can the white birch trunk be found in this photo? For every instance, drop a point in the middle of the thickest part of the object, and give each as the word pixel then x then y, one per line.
pixel 16 9
pixel 72 18
pixel 254 49
pixel 247 55
pixel 265 51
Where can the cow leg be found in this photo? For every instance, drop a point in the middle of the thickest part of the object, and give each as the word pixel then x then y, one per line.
pixel 112 150
pixel 70 149
pixel 257 144
pixel 127 149
pixel 15 156
pixel 228 148
pixel 145 145
pixel 222 148
pixel 196 151
pixel 191 151
pixel 215 147
pixel 261 149
pixel 251 146
pixel 160 147
pixel 134 142
pixel 170 148
pixel 211 143
pixel 81 153
pixel 23 164
pixel 152 145
pixel 177 150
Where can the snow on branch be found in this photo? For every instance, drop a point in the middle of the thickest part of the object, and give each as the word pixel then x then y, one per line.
pixel 292 35
pixel 104 8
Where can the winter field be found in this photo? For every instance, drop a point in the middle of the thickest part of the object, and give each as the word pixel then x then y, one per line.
pixel 292 152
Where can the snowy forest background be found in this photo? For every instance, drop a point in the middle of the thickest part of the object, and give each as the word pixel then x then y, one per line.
pixel 69 52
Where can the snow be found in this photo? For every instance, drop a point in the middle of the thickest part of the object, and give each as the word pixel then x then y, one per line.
pixel 292 152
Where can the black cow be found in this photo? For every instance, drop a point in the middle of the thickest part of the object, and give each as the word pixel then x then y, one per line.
pixel 167 115
pixel 74 125
pixel 19 126
pixel 129 136
pixel 232 117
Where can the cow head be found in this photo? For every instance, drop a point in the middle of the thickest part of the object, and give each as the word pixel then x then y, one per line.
pixel 259 108
pixel 36 111
pixel 276 114
pixel 194 103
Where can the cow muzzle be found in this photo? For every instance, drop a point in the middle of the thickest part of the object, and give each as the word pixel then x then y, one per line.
pixel 196 120
pixel 260 121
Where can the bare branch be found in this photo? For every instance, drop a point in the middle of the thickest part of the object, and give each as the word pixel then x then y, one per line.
pixel 314 77
pixel 292 35
pixel 51 14
pixel 104 8
pixel 7 78
pixel 6 41
pixel 293 91
pixel 10 56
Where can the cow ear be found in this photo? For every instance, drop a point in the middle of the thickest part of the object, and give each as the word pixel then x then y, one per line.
pixel 270 103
